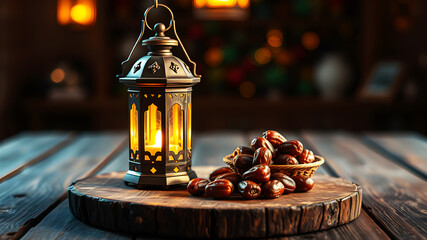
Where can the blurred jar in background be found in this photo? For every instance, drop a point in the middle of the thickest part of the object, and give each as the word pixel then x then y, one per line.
pixel 332 76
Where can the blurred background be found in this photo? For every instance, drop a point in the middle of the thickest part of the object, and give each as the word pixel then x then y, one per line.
pixel 276 64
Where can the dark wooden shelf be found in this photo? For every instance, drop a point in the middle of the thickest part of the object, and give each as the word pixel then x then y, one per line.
pixel 222 112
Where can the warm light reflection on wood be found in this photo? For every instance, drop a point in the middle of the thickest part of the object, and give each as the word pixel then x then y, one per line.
pixel 134 128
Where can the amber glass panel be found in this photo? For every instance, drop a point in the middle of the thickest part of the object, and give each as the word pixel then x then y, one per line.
pixel 134 128
pixel 189 126
pixel 153 131
pixel 176 128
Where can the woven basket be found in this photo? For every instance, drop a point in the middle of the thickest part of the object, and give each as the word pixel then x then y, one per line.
pixel 306 169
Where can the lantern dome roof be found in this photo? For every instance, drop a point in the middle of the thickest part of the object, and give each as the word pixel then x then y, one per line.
pixel 159 68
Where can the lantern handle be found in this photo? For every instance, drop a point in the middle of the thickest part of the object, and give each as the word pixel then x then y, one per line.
pixel 145 23
pixel 171 23
pixel 183 49
pixel 157 5
pixel 123 64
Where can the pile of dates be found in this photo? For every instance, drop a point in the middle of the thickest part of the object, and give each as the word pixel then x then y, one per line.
pixel 253 177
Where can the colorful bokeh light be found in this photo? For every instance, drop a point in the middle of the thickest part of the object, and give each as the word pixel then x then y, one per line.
pixel 274 38
pixel 262 56
pixel 247 89
pixel 310 40
pixel 81 13
pixel 214 56
pixel 284 58
pixel 57 75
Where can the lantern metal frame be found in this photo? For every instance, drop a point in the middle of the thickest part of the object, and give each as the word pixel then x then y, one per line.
pixel 163 80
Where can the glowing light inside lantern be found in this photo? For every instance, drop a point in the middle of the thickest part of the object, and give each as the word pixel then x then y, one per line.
pixel 176 129
pixel 152 130
pixel 189 125
pixel 134 128
pixel 158 141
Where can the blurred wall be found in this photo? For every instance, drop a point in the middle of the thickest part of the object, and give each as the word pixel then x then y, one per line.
pixel 259 73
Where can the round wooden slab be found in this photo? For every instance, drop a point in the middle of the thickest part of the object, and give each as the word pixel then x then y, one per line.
pixel 105 201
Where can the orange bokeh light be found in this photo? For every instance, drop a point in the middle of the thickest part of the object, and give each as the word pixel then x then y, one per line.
pixel 243 3
pixel 274 38
pixel 262 56
pixel 310 40
pixel 284 58
pixel 57 75
pixel 213 56
pixel 402 23
pixel 82 12
pixel 247 89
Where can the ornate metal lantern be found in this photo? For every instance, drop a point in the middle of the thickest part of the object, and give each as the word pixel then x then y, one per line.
pixel 159 92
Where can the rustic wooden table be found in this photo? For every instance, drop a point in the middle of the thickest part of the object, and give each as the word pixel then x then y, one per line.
pixel 36 169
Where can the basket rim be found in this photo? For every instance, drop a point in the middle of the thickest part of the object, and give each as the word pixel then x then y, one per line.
pixel 319 161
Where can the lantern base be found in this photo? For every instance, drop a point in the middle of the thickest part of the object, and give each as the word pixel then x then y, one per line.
pixel 138 180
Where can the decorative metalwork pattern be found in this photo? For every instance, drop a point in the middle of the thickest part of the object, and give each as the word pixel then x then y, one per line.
pixel 153 170
pixel 176 169
pixel 137 67
pixel 174 67
pixel 154 67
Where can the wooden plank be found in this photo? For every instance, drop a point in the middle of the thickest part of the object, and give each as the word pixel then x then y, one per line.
pixel 362 228
pixel 27 197
pixel 119 163
pixel 395 197
pixel 60 223
pixel 210 148
pixel 407 149
pixel 28 148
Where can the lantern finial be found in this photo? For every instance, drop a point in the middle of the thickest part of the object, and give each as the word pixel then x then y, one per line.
pixel 160 29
